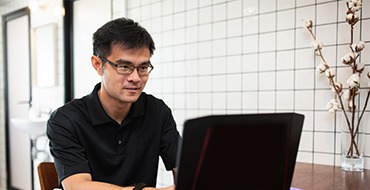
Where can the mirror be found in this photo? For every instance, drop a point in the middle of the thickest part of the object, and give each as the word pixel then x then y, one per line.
pixel 45 59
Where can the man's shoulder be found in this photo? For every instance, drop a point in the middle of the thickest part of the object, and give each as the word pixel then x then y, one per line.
pixel 71 108
pixel 75 103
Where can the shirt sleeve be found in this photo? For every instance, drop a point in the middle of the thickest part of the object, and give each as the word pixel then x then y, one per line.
pixel 68 153
pixel 170 140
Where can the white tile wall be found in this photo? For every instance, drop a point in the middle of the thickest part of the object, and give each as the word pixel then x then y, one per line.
pixel 244 56
pixel 248 56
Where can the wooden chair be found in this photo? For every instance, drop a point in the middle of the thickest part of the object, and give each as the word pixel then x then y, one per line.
pixel 47 175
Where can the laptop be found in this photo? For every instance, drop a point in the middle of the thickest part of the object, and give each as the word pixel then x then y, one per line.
pixel 246 151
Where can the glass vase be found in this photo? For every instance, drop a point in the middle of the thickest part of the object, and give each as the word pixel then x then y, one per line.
pixel 353 142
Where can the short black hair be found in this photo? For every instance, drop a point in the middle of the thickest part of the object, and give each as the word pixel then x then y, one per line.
pixel 121 32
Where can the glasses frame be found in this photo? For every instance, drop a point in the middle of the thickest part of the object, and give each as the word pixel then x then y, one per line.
pixel 132 68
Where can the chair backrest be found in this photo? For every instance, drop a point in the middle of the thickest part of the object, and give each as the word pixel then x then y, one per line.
pixel 47 175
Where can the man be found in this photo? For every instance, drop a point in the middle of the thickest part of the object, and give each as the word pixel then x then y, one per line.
pixel 113 137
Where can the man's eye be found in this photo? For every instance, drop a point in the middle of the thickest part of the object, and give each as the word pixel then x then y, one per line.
pixel 144 68
pixel 123 66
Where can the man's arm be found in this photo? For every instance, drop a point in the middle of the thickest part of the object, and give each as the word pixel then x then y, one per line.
pixel 84 181
pixel 174 173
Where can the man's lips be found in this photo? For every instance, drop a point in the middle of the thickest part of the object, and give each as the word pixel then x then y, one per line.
pixel 132 89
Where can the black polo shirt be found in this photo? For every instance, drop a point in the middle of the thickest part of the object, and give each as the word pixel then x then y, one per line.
pixel 84 139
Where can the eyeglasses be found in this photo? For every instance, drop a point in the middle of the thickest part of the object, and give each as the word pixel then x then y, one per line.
pixel 125 69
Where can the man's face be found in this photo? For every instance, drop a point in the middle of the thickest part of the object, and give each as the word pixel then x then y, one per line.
pixel 125 88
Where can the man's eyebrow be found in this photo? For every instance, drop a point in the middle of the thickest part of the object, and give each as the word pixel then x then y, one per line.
pixel 122 61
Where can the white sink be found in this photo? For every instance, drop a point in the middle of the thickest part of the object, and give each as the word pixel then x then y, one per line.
pixel 34 127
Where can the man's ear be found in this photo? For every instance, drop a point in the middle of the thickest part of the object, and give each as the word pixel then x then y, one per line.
pixel 97 63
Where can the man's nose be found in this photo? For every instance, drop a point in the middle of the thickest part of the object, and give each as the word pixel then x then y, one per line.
pixel 134 76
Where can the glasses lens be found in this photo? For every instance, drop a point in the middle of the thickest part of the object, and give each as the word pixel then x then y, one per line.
pixel 144 70
pixel 149 69
pixel 124 69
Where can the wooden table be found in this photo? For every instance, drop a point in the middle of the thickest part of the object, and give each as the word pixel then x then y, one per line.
pixel 323 177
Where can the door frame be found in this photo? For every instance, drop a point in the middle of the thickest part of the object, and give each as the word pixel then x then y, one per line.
pixel 6 18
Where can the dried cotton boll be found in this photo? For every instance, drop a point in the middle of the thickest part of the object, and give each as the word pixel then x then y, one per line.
pixel 335 105
pixel 329 107
pixel 356 2
pixel 337 87
pixel 308 23
pixel 355 5
pixel 352 19
pixel 360 67
pixel 354 80
pixel 316 45
pixel 323 67
pixel 348 58
pixel 358 47
pixel 332 106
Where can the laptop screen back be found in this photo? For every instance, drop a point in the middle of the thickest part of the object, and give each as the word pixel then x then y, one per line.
pixel 250 151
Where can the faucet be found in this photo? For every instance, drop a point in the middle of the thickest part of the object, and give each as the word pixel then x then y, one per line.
pixel 45 112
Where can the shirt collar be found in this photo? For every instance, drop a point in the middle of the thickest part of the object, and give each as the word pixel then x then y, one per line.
pixel 98 115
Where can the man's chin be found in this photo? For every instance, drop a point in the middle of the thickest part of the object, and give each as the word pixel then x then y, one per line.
pixel 131 98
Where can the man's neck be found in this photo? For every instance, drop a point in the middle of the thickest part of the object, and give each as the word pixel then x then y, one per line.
pixel 114 108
